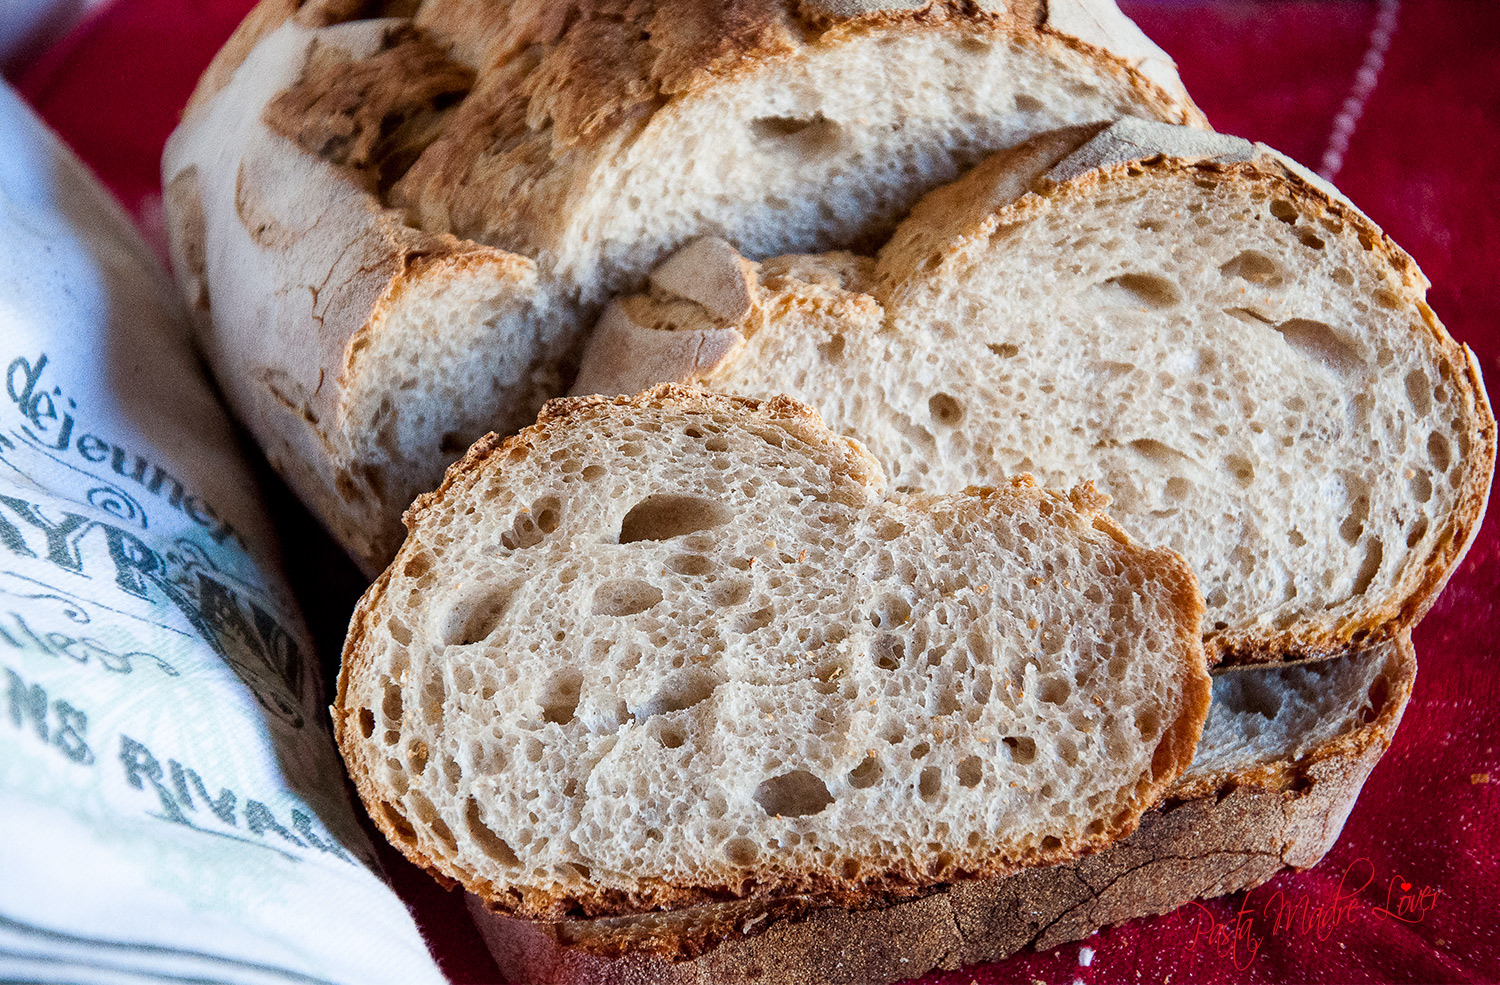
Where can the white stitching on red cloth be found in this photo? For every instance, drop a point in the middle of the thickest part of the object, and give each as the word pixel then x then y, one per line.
pixel 1359 93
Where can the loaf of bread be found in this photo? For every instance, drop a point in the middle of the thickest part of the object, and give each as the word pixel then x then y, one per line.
pixel 394 230
pixel 1213 337
pixel 675 649
pixel 1281 761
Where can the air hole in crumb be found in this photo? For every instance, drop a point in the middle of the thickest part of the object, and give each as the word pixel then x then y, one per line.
pixel 1156 452
pixel 812 136
pixel 759 619
pixel 1369 567
pixel 888 651
pixel 593 473
pixel 390 705
pixel 559 697
pixel 832 349
pixel 546 513
pixel 1005 350
pixel 945 410
pixel 693 565
pixel 1319 342
pixel 920 750
pixel 1142 290
pixel 1240 467
pixel 930 782
pixel 866 774
pixel 397 820
pixel 970 771
pixel 1022 750
pixel 474 617
pixel 1379 693
pixel 894 611
pixel 683 689
pixel 418 565
pixel 741 851
pixel 1028 104
pixel 671 738
pixel 1417 532
pixel 1354 521
pixel 416 756
pixel 794 794
pixel 1439 451
pixel 729 592
pixel 1253 266
pixel 1419 391
pixel 663 516
pixel 625 597
pixel 1148 723
pixel 1054 690
pixel 490 843
pixel 366 722
pixel 1284 210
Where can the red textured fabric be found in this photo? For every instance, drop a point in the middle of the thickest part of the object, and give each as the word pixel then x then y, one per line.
pixel 1421 161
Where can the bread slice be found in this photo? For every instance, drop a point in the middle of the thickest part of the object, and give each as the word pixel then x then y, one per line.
pixel 1282 758
pixel 1215 339
pixel 394 230
pixel 677 649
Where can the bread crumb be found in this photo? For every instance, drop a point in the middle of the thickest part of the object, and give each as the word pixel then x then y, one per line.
pixel 1479 779
pixel 1085 956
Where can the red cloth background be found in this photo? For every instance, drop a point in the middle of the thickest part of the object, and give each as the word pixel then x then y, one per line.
pixel 1422 162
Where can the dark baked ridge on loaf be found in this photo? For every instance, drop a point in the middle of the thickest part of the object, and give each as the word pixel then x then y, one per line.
pixel 1282 759
pixel 1234 354
pixel 677 648
pixel 394 230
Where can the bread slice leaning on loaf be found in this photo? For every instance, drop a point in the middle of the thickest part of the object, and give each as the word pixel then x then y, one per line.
pixel 1211 335
pixel 678 648
pixel 1282 758
pixel 395 230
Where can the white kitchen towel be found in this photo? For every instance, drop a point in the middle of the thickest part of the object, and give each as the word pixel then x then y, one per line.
pixel 172 807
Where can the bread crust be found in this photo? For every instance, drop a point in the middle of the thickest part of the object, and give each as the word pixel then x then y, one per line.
pixel 559 85
pixel 1216 833
pixel 1013 186
pixel 887 882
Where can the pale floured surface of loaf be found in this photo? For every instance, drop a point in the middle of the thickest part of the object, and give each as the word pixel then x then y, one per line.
pixel 678 648
pixel 1245 365
pixel 395 230
pixel 1262 794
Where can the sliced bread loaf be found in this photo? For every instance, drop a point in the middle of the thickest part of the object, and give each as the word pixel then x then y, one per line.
pixel 394 230
pixel 675 649
pixel 1229 350
pixel 1282 758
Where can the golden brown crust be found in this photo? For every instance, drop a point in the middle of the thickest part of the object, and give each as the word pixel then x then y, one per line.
pixel 373 115
pixel 881 884
pixel 1214 835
